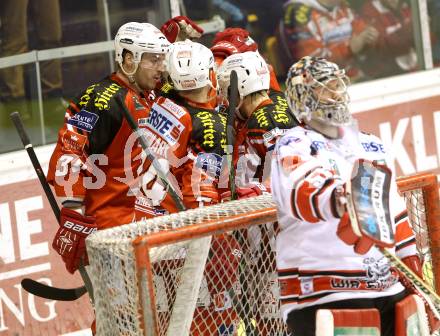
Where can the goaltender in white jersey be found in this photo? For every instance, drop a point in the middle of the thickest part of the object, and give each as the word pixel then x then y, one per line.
pixel 316 269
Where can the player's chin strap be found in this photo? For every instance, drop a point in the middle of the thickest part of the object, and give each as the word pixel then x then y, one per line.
pixel 129 74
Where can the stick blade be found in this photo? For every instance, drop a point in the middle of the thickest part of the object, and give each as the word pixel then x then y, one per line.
pixel 52 293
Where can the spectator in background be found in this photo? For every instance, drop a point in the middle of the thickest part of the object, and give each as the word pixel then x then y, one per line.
pixel 14 29
pixel 325 28
pixel 393 52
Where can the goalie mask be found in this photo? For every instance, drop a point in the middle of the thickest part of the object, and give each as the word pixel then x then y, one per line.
pixel 252 73
pixel 139 38
pixel 190 65
pixel 317 89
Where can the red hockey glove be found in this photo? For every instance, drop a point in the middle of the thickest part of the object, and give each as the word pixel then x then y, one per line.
pixel 253 190
pixel 180 28
pixel 361 244
pixel 224 49
pixel 238 37
pixel 69 241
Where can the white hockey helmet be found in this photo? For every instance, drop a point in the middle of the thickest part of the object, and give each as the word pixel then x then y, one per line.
pixel 317 89
pixel 189 65
pixel 139 38
pixel 252 73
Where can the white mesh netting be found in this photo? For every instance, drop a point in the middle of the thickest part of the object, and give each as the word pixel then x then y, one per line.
pixel 223 284
pixel 238 289
pixel 417 217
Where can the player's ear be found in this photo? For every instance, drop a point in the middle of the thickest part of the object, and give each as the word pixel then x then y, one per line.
pixel 128 60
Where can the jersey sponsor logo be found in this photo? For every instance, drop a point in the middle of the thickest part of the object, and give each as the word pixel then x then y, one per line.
pixel 157 144
pixel 73 142
pixel 211 163
pixel 261 117
pixel 165 124
pixel 178 111
pixel 142 122
pixel 318 145
pixel 344 283
pixel 86 95
pixel 84 120
pixel 207 121
pixel 103 98
pixel 272 134
pixel 280 111
pixel 286 140
pixel 307 285
pixel 373 147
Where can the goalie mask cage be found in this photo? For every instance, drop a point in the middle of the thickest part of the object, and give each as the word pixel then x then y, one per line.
pixel 211 271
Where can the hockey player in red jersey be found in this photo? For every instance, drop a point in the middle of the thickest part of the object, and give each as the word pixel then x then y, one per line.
pixel 186 132
pixel 262 116
pixel 195 140
pixel 96 162
pixel 318 267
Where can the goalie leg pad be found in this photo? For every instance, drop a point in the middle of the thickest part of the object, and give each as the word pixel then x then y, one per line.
pixel 411 318
pixel 360 322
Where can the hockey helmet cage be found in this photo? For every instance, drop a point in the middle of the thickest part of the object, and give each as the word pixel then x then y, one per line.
pixel 317 89
pixel 252 73
pixel 139 38
pixel 189 65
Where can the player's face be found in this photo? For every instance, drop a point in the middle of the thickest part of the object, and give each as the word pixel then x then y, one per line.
pixel 150 70
pixel 333 91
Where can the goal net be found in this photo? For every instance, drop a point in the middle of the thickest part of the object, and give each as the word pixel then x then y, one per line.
pixel 211 271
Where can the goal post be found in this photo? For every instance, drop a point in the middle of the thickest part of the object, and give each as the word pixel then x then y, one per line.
pixel 212 270
pixel 421 193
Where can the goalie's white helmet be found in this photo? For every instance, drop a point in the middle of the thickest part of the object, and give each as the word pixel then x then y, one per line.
pixel 317 89
pixel 189 65
pixel 139 38
pixel 252 73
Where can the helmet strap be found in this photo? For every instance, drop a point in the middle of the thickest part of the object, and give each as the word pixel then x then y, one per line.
pixel 129 74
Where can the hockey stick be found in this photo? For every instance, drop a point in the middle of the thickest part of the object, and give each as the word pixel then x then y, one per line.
pixel 240 305
pixel 191 274
pixel 32 286
pixel 367 195
pixel 233 97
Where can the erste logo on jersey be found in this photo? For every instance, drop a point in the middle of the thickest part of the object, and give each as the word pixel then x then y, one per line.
pixel 373 147
pixel 165 124
pixel 84 120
